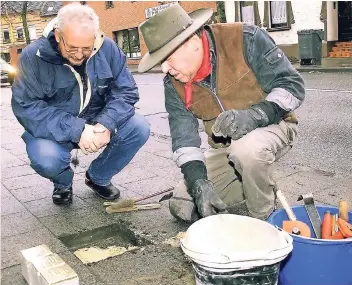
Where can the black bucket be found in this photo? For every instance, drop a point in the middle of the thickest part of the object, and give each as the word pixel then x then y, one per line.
pixel 263 275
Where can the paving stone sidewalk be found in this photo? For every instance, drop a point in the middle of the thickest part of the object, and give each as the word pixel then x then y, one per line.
pixel 29 218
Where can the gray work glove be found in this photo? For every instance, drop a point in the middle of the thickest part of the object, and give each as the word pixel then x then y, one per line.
pixel 206 199
pixel 237 123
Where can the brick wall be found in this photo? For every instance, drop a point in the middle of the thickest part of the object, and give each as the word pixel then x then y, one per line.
pixel 130 14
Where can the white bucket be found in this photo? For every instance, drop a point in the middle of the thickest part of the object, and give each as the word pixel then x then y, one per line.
pixel 234 245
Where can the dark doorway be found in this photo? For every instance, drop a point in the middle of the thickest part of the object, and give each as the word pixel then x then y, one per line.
pixel 345 20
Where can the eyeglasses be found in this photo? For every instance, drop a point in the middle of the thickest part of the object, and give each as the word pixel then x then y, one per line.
pixel 74 50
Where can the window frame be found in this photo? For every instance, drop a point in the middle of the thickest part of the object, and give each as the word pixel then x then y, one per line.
pixel 7 58
pixel 23 35
pixel 3 36
pixel 278 27
pixel 129 53
pixel 240 10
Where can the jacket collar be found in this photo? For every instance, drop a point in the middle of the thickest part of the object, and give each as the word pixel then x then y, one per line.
pixel 47 50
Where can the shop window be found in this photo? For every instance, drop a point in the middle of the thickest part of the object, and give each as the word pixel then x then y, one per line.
pixel 6 36
pixel 6 56
pixel 20 33
pixel 128 41
pixel 109 4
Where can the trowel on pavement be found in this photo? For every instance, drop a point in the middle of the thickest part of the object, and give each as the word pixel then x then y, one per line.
pixel 130 204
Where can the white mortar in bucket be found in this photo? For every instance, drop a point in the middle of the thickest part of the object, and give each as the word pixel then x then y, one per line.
pixel 228 243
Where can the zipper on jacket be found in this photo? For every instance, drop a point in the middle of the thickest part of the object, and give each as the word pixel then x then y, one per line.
pixel 216 98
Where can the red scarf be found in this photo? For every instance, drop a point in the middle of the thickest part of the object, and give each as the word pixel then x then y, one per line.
pixel 203 71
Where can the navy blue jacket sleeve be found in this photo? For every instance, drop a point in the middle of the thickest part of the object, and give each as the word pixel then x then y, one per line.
pixel 123 93
pixel 33 112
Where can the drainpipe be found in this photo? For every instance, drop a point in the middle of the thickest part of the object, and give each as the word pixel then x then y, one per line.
pixel 230 11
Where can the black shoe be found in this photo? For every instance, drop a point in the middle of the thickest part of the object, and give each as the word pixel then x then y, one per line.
pixel 109 192
pixel 62 196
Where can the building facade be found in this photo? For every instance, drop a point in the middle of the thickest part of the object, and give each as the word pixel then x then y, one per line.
pixel 284 19
pixel 119 20
pixel 12 35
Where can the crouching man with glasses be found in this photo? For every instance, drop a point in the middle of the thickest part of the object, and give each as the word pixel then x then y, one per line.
pixel 73 90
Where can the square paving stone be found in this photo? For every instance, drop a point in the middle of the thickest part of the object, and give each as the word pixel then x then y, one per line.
pixel 131 174
pixel 33 193
pixel 27 181
pixel 4 192
pixel 9 160
pixel 18 223
pixel 11 205
pixel 16 171
pixel 78 221
pixel 46 207
pixel 149 186
pixel 11 246
pixel 13 276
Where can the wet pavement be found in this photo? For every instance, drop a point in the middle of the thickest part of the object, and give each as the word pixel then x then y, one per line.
pixel 320 162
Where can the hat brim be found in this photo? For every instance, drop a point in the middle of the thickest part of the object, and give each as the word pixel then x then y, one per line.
pixel 149 60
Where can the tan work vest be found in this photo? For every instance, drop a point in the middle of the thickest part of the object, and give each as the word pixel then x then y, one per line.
pixel 236 85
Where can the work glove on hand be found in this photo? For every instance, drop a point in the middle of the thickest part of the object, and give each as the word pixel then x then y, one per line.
pixel 237 123
pixel 206 199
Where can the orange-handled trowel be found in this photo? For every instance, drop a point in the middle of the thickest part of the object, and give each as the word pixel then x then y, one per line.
pixel 292 226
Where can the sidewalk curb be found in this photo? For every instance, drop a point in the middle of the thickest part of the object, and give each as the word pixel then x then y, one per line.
pixel 298 68
pixel 324 69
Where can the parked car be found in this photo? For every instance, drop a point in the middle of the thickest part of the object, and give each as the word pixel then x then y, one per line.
pixel 7 72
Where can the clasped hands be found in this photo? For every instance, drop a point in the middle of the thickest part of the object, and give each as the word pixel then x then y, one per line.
pixel 93 138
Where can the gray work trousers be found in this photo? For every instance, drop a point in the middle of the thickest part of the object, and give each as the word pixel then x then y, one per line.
pixel 251 156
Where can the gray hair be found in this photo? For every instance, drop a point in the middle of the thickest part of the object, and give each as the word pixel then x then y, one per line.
pixel 75 12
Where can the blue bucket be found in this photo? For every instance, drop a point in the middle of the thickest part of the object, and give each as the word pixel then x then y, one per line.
pixel 314 261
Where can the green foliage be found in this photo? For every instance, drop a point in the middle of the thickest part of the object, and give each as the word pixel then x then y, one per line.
pixel 221 11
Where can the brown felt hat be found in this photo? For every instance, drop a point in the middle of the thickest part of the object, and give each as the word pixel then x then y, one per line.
pixel 167 30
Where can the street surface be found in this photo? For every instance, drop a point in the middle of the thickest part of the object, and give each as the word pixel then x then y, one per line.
pixel 320 162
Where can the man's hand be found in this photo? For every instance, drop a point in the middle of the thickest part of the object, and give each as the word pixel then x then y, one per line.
pixel 237 123
pixel 102 136
pixel 207 201
pixel 86 143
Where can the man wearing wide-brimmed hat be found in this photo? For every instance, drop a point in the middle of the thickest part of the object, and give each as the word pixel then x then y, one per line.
pixel 240 84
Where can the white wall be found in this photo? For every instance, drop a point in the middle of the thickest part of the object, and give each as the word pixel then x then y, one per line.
pixel 307 16
pixel 230 11
pixel 332 21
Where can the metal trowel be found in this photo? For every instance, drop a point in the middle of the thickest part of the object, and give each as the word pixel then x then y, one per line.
pixel 312 212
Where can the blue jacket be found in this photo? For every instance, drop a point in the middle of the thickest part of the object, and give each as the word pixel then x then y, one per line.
pixel 48 96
